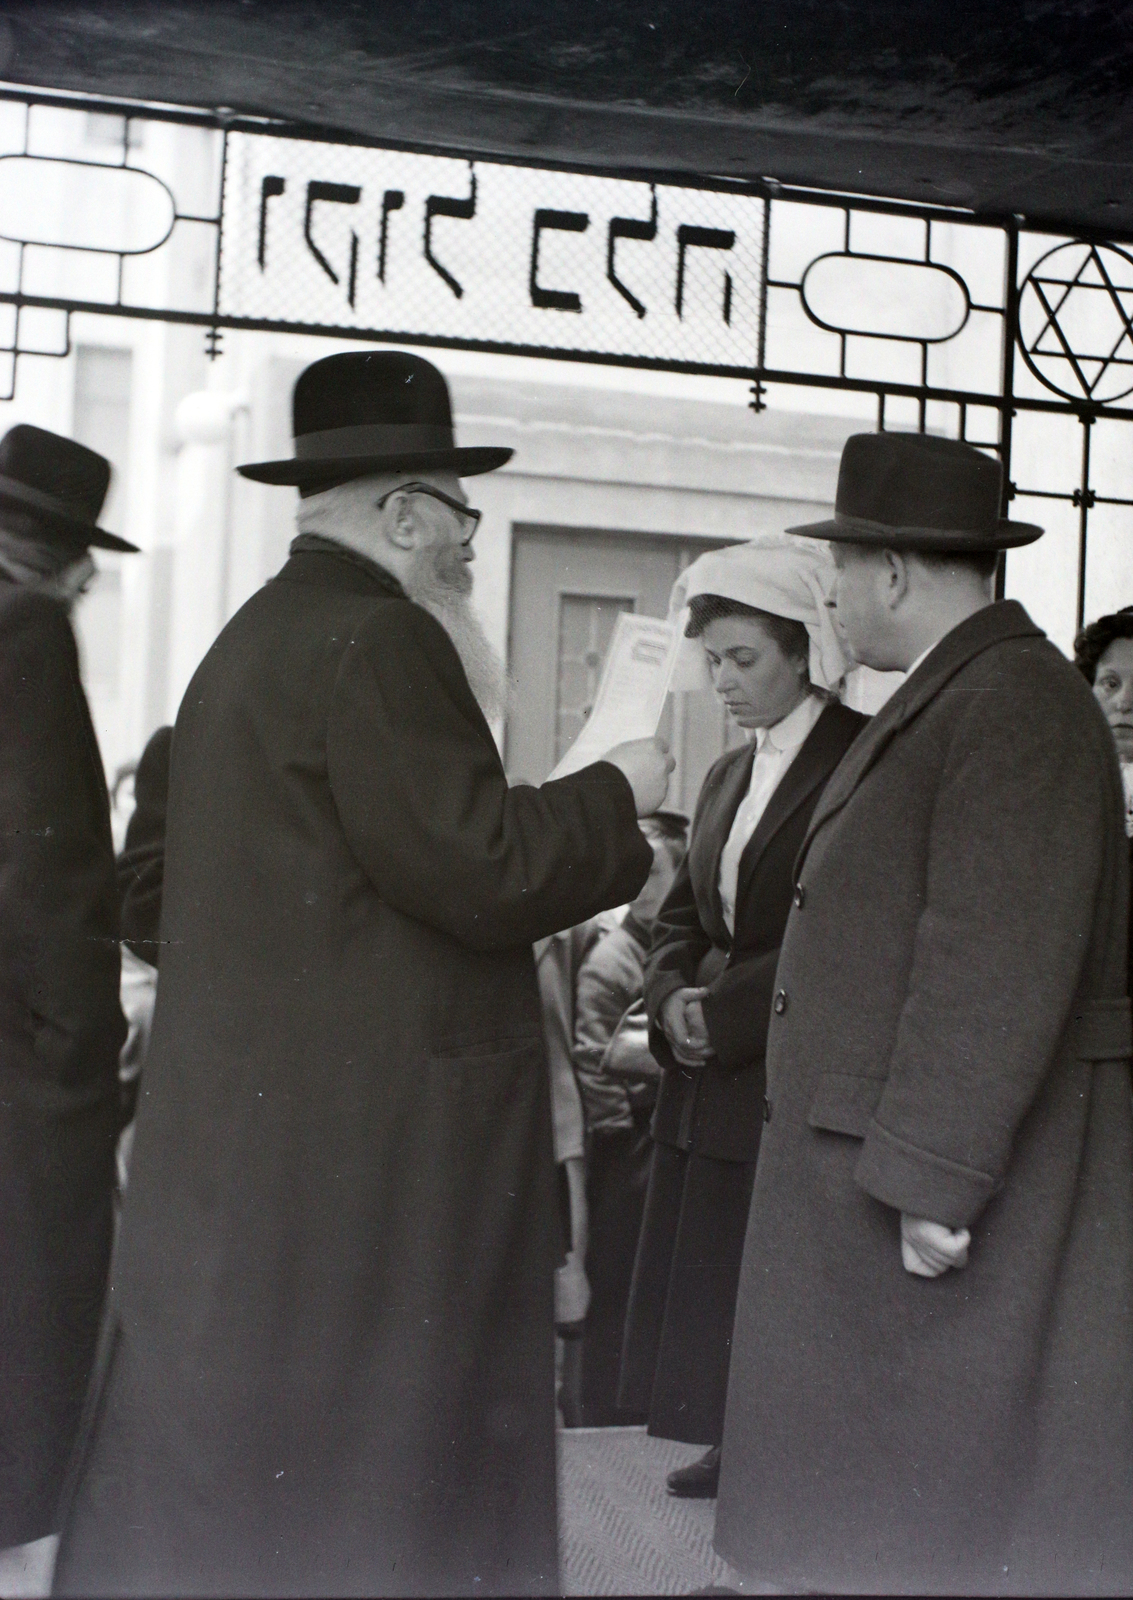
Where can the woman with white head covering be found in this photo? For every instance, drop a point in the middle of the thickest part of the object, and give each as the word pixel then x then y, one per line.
pixel 757 630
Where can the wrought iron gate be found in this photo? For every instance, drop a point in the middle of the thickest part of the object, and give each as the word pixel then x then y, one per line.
pixel 984 328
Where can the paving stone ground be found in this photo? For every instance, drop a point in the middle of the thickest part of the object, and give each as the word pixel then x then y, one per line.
pixel 621 1533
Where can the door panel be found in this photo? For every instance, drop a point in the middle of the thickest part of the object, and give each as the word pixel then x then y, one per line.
pixel 567 589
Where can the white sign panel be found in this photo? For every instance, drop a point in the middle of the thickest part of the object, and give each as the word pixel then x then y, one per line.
pixel 338 236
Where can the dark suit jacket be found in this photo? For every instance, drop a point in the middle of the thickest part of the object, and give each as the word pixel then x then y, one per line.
pixel 334 1295
pixel 60 1031
pixel 718 1110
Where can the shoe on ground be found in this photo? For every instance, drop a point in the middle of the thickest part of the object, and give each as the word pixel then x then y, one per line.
pixel 700 1480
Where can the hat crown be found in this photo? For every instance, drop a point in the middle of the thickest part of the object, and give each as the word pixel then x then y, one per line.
pixel 916 480
pixel 359 389
pixel 67 472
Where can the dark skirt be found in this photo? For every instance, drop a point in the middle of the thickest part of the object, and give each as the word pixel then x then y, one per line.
pixel 678 1339
pixel 617 1176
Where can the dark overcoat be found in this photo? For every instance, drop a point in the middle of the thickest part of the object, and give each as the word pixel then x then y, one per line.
pixel 60 1031
pixel 708 1120
pixel 330 1360
pixel 950 1039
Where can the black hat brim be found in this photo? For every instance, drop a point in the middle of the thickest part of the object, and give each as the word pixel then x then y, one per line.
pixel 1007 536
pixel 466 462
pixel 85 535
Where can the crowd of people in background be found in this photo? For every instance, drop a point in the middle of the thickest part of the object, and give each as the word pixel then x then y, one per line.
pixel 814 1113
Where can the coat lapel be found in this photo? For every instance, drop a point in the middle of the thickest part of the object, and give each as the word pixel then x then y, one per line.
pixel 727 803
pixel 810 768
pixel 1006 619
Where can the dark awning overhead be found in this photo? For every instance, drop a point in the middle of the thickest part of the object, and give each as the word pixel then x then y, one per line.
pixel 1021 107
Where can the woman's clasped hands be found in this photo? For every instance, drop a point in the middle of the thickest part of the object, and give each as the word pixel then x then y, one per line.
pixel 682 1019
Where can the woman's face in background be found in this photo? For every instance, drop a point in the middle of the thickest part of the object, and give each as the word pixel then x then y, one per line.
pixel 1113 690
pixel 757 682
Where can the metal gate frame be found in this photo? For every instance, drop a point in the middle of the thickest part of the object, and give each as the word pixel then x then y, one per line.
pixel 1101 254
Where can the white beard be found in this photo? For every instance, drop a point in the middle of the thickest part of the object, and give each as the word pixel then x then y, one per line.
pixel 442 586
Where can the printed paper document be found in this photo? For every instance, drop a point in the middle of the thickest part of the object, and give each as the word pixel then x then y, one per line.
pixel 631 691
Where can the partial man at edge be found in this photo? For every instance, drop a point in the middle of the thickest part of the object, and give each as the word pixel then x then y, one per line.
pixel 62 1026
pixel 329 1358
pixel 1103 654
pixel 931 1386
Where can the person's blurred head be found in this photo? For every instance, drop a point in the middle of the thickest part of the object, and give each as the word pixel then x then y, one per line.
pixel 758 662
pixel 1103 652
pixel 30 558
pixel 52 491
pixel 667 832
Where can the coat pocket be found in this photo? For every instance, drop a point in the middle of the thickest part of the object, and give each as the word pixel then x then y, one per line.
pixel 1101 1031
pixel 484 1066
pixel 844 1103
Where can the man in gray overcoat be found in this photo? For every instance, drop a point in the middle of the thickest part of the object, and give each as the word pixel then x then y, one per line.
pixel 932 1379
pixel 329 1361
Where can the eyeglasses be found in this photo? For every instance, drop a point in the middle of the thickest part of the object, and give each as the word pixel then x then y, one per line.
pixel 468 514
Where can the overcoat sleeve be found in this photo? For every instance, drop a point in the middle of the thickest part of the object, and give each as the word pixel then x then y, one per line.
pixel 679 941
pixel 679 944
pixel 58 906
pixel 429 814
pixel 1018 838
pixel 737 1009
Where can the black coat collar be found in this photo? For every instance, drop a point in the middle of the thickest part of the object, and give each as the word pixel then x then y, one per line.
pixel 315 559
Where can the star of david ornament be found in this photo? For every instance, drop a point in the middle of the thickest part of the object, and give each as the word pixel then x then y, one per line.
pixel 1076 321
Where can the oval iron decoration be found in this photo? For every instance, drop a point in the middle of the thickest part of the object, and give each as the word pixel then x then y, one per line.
pixel 1076 321
pixel 833 265
pixel 60 193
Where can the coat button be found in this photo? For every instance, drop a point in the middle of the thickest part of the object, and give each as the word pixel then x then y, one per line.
pixel 800 896
pixel 779 1004
pixel 766 1109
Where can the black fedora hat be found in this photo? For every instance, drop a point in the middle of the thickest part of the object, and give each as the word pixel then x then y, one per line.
pixel 915 491
pixel 372 411
pixel 63 484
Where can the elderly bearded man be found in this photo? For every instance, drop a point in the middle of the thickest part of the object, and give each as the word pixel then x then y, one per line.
pixel 329 1367
pixel 932 1376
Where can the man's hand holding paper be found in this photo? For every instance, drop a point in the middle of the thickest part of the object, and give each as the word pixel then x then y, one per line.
pixel 647 765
